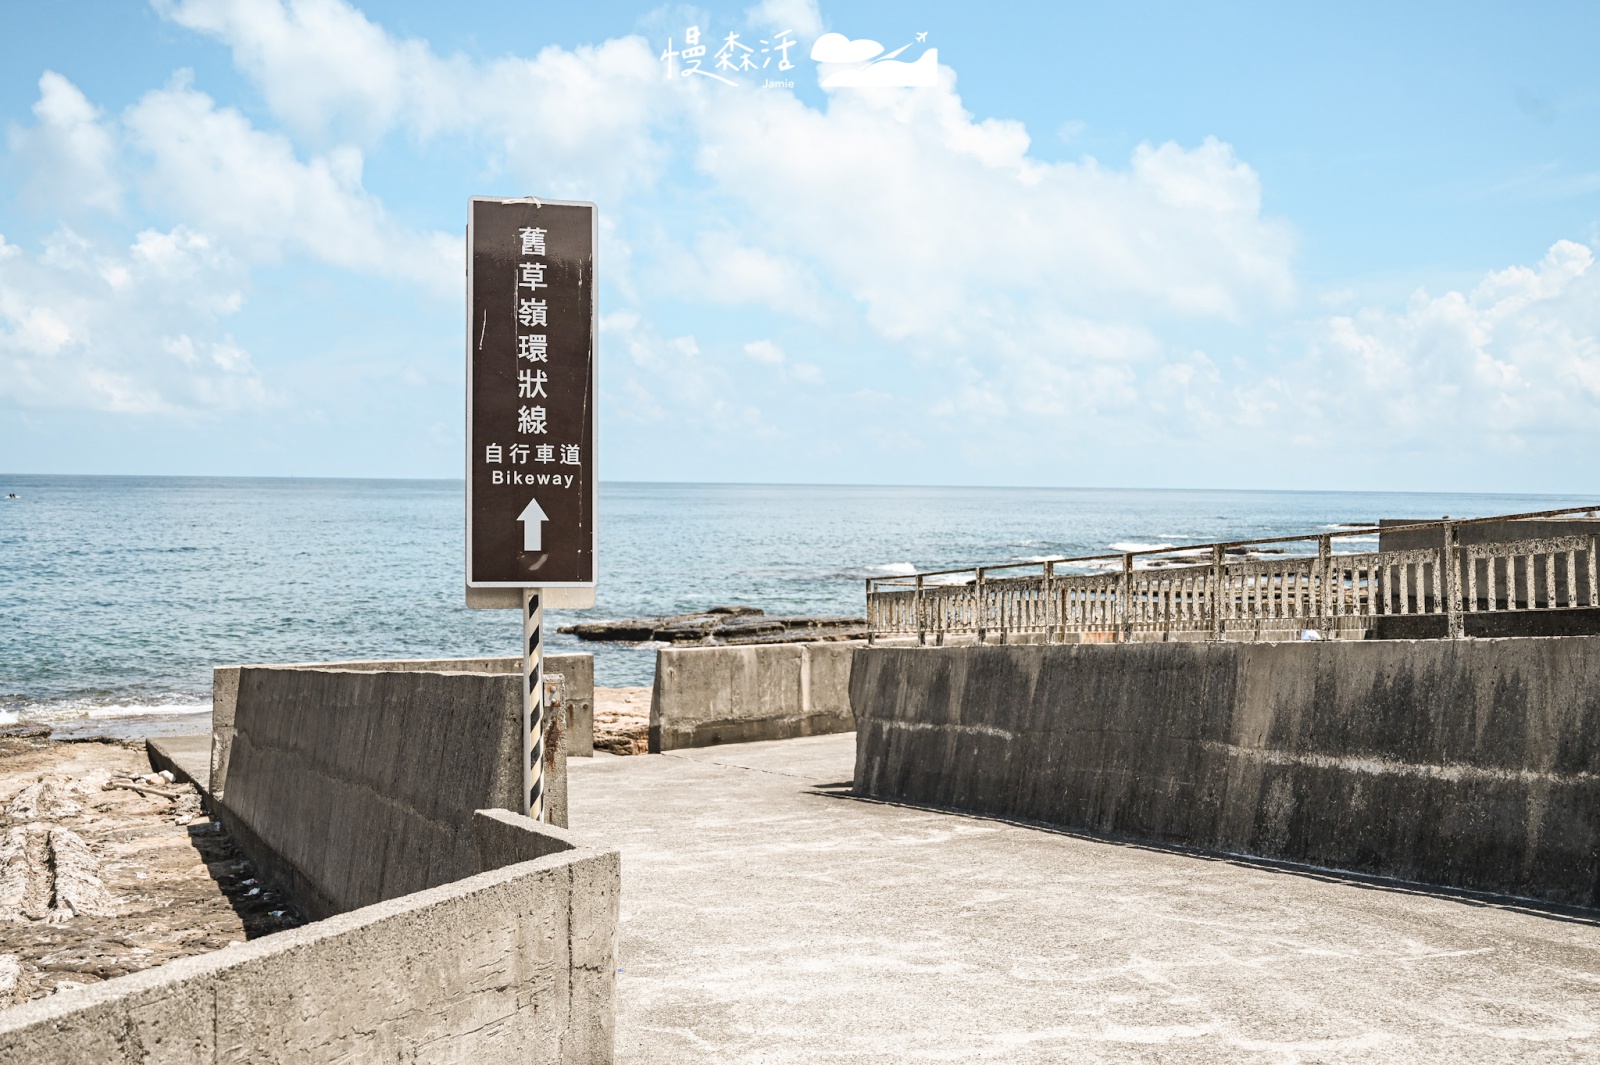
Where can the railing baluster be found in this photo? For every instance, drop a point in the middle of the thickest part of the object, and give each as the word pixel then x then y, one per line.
pixel 1216 600
pixel 922 618
pixel 1594 566
pixel 1472 582
pixel 1539 574
pixel 1050 610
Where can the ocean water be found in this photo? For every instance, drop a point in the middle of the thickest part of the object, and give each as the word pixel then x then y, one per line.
pixel 118 594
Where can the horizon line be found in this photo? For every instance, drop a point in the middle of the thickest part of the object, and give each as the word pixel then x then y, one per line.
pixel 813 484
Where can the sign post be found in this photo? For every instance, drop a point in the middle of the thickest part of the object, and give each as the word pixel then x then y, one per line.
pixel 531 428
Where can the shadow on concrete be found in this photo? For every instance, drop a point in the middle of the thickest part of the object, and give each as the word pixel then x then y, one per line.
pixel 1535 907
pixel 266 911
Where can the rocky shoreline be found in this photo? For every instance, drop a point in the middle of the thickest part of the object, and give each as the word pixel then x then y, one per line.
pixel 107 868
pixel 722 625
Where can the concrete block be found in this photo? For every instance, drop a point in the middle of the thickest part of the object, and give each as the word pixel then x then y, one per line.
pixel 500 837
pixel 578 669
pixel 361 785
pixel 709 695
pixel 472 971
pixel 1462 763
pixel 224 698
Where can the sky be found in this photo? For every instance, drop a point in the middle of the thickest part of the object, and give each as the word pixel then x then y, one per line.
pixel 1165 245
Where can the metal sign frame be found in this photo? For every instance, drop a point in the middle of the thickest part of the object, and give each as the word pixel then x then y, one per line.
pixel 485 595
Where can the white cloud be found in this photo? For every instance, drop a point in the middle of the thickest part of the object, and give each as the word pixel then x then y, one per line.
pixel 68 152
pixel 322 64
pixel 765 351
pixel 1514 359
pixel 801 16
pixel 917 209
pixel 670 380
pixel 211 167
pixel 723 268
pixel 916 249
pixel 1034 283
pixel 134 330
pixel 578 122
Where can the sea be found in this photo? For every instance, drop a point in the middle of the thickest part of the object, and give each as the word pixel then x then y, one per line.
pixel 118 594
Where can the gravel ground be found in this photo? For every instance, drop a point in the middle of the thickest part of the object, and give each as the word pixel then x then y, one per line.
pixel 622 720
pixel 98 879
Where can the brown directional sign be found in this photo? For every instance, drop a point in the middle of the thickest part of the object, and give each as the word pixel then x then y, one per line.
pixel 530 394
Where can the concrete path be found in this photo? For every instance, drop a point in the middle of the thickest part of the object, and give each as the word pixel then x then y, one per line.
pixel 189 757
pixel 768 917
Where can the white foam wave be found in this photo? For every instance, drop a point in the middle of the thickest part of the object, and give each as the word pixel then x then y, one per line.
pixel 894 569
pixel 1129 546
pixel 61 713
pixel 148 711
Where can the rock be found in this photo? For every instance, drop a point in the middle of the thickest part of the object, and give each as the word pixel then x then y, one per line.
pixel 25 876
pixel 686 630
pixel 749 627
pixel 722 625
pixel 15 983
pixel 48 798
pixel 636 631
pixel 77 889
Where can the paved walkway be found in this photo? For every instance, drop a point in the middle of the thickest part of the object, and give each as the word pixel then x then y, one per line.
pixel 768 917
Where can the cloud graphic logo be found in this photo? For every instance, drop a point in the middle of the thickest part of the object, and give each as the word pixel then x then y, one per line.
pixel 861 64
pixel 837 48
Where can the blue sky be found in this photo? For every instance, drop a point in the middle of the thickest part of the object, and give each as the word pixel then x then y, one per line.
pixel 1239 246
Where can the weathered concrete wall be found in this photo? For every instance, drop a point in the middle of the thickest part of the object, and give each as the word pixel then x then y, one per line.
pixel 1488 532
pixel 709 695
pixel 1544 621
pixel 356 787
pixel 1464 763
pixel 516 963
pixel 578 669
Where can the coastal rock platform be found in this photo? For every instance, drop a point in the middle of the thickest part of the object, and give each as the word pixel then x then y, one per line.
pixel 104 872
pixel 722 625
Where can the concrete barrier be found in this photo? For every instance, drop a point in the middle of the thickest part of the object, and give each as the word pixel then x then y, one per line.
pixel 576 669
pixel 1464 763
pixel 709 695
pixel 513 963
pixel 359 786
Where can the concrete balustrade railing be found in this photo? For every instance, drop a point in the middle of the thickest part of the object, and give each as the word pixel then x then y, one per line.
pixel 1198 592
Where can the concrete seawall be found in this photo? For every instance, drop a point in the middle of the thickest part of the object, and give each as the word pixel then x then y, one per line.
pixel 577 669
pixel 1469 763
pixel 709 695
pixel 360 786
pixel 515 963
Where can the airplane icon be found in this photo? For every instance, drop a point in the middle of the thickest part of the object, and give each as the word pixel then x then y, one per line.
pixel 922 36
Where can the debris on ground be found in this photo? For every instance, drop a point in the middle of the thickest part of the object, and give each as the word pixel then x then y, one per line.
pixel 622 720
pixel 107 868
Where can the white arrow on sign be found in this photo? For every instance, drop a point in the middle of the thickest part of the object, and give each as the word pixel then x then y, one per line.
pixel 533 519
